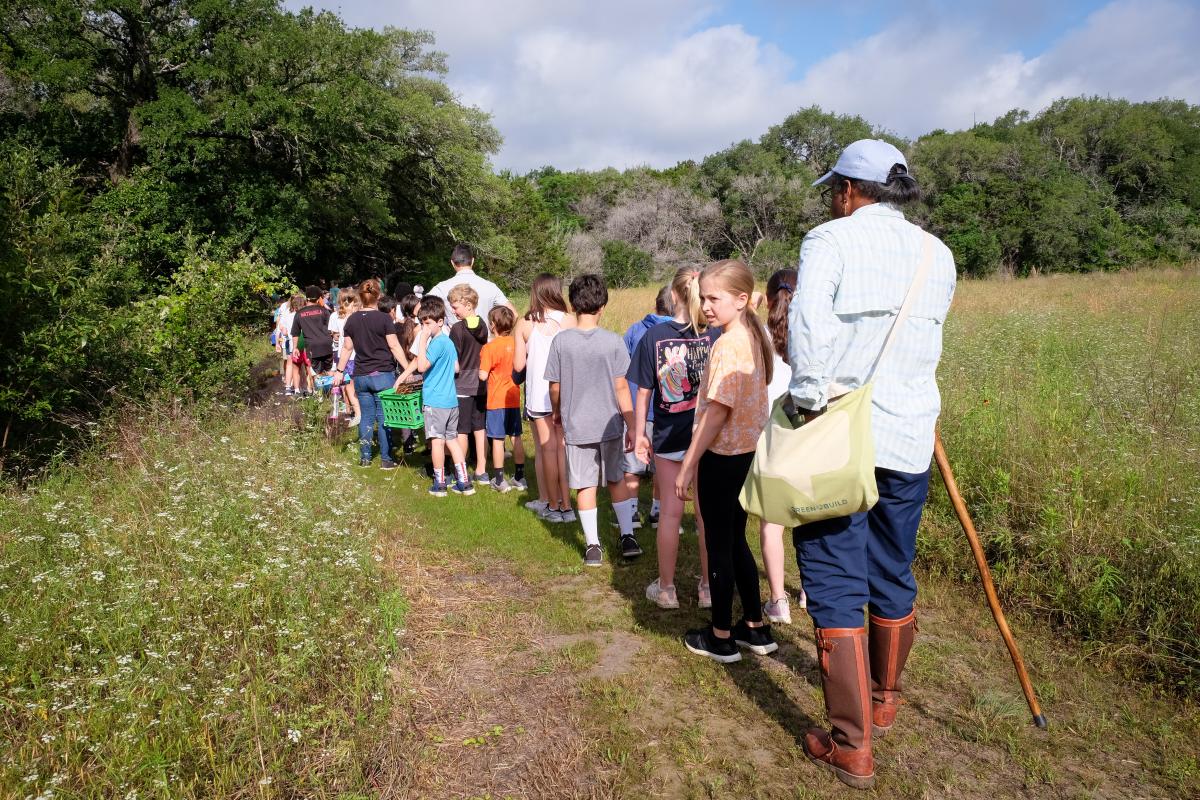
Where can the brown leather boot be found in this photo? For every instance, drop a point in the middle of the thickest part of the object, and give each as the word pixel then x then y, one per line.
pixel 890 642
pixel 846 749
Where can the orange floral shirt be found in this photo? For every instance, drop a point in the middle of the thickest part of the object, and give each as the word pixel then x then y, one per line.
pixel 735 378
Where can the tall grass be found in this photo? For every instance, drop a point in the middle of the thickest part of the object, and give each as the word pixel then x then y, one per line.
pixel 200 613
pixel 1072 418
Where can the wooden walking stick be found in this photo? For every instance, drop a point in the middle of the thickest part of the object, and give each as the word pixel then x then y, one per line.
pixel 985 575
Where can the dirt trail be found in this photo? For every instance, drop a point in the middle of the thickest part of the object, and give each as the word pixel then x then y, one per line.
pixel 575 689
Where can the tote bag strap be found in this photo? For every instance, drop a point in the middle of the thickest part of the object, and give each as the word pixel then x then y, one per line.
pixel 914 288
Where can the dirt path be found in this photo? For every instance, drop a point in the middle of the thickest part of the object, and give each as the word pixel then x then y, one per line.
pixel 575 687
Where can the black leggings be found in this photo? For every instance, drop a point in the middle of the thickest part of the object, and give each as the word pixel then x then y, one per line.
pixel 719 479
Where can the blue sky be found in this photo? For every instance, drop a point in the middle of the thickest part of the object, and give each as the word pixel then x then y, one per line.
pixel 579 83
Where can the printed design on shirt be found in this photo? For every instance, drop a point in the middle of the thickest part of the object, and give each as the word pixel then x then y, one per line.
pixel 679 365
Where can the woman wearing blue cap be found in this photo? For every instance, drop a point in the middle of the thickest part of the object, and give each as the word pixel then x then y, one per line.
pixel 854 274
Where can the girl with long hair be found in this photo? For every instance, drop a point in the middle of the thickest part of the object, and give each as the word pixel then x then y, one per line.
pixel 780 288
pixel 731 412
pixel 547 316
pixel 667 367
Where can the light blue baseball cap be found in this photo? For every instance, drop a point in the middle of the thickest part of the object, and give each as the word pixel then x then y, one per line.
pixel 865 160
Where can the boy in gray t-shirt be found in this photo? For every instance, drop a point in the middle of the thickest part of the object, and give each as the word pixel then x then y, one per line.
pixel 586 369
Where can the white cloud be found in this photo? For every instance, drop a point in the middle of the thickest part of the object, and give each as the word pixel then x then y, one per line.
pixel 583 84
pixel 913 80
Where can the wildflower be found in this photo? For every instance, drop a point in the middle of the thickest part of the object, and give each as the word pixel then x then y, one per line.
pixel 293 735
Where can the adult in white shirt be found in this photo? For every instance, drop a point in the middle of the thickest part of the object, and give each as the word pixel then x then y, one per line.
pixel 490 295
pixel 853 275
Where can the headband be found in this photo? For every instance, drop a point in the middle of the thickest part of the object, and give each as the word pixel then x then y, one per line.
pixel 783 285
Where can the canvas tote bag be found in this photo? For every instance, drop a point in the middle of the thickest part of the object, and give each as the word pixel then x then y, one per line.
pixel 824 468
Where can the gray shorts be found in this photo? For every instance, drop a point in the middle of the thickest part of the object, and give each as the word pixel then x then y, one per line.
pixel 591 465
pixel 629 461
pixel 441 423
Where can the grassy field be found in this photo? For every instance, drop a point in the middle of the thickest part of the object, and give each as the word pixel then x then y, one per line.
pixel 227 608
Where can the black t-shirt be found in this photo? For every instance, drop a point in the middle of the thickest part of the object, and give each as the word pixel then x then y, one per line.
pixel 468 342
pixel 670 361
pixel 313 321
pixel 368 329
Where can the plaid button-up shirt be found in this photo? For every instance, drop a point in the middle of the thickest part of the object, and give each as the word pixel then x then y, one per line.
pixel 853 275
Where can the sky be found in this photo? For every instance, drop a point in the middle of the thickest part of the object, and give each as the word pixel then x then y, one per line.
pixel 623 83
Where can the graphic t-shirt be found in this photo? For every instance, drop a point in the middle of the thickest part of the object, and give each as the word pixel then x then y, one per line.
pixel 735 378
pixel 585 364
pixel 313 321
pixel 438 391
pixel 368 330
pixel 670 361
pixel 468 336
pixel 497 358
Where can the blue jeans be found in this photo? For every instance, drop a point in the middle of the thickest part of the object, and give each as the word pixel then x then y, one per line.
pixel 368 387
pixel 864 559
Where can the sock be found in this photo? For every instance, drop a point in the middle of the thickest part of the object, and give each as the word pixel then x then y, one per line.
pixel 654 507
pixel 625 511
pixel 439 476
pixel 588 520
pixel 519 471
pixel 460 472
pixel 497 474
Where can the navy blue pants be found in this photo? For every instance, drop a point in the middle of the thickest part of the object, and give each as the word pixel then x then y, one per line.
pixel 864 559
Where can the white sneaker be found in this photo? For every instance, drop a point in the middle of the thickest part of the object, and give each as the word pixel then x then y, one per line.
pixel 703 595
pixel 537 505
pixel 568 515
pixel 550 514
pixel 803 600
pixel 778 611
pixel 662 596
pixel 353 421
pixel 520 483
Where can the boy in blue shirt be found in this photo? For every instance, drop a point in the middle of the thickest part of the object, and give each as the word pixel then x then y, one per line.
pixel 438 361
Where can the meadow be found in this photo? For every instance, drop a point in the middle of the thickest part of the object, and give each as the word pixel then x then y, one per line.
pixel 221 605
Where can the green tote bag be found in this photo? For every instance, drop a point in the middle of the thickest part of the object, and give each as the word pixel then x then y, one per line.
pixel 824 468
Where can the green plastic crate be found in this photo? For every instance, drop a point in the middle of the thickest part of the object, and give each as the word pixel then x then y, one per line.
pixel 402 410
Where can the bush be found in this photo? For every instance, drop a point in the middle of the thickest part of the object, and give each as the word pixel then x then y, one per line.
pixel 625 265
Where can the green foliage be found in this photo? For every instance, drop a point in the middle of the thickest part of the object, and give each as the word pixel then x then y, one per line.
pixel 624 265
pixel 185 618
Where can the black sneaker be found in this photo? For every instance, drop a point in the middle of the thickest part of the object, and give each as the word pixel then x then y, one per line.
pixel 653 518
pixel 593 556
pixel 756 640
pixel 364 462
pixel 410 447
pixel 630 547
pixel 387 465
pixel 702 642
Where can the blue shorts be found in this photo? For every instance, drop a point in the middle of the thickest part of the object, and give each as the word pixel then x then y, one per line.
pixel 503 422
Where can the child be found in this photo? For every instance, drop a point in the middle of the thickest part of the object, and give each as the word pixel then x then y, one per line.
pixel 586 370
pixel 634 468
pixel 469 335
pixel 731 413
pixel 437 359
pixel 313 321
pixel 546 318
pixel 407 327
pixel 780 288
pixel 503 398
pixel 347 305
pixel 286 345
pixel 667 367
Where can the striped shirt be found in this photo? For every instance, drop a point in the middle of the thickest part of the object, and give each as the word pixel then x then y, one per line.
pixel 853 276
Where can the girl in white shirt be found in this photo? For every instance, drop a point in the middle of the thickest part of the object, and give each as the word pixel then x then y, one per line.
pixel 780 288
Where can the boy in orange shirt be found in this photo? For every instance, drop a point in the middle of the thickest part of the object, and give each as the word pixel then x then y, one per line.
pixel 503 398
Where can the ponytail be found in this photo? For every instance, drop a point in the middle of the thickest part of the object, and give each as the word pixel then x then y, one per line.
pixel 736 278
pixel 368 292
pixel 686 287
pixel 780 289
